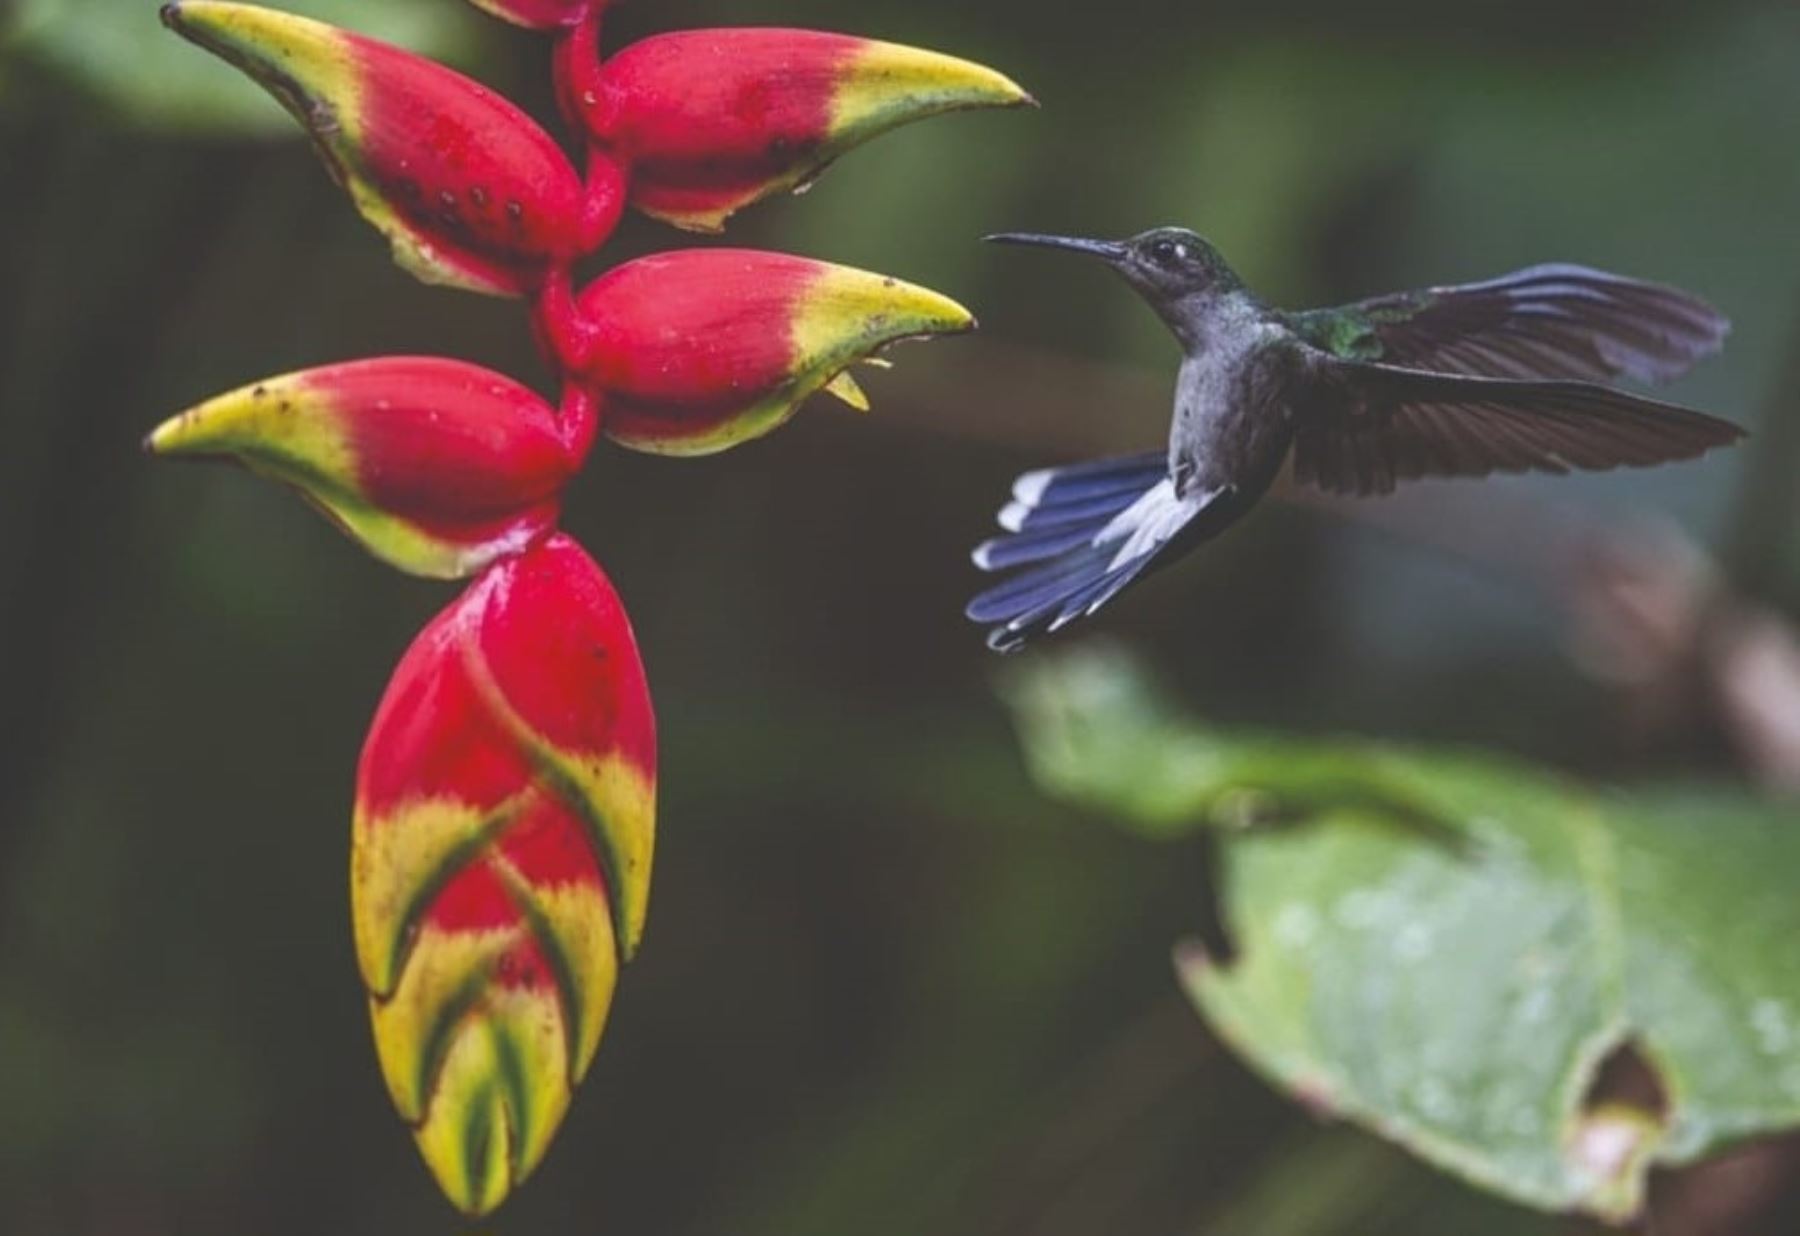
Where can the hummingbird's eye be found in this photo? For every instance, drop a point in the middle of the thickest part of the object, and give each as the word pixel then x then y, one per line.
pixel 1168 253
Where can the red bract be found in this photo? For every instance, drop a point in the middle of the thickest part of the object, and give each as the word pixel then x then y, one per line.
pixel 695 351
pixel 505 819
pixel 709 121
pixel 436 466
pixel 505 801
pixel 469 190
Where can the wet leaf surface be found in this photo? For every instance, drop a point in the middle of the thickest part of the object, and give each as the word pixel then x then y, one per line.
pixel 1447 948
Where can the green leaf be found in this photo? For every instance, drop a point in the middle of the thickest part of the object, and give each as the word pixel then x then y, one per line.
pixel 1445 948
pixel 120 53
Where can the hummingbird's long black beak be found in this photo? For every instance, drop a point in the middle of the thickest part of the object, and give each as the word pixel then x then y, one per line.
pixel 1106 250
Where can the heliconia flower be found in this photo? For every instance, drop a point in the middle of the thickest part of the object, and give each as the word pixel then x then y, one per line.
pixel 436 466
pixel 467 188
pixel 709 121
pixel 500 862
pixel 695 351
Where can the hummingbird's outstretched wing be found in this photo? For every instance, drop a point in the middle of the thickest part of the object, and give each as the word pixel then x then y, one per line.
pixel 1082 534
pixel 1553 321
pixel 1384 423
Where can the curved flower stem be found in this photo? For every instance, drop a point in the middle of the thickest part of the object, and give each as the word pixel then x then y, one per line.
pixel 586 106
pixel 604 191
pixel 575 64
pixel 563 332
pixel 580 416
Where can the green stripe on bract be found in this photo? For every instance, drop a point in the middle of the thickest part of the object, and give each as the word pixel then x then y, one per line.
pixel 596 789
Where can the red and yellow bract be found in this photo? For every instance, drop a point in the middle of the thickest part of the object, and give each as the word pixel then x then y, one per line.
pixel 709 121
pixel 436 466
pixel 500 868
pixel 697 350
pixel 470 191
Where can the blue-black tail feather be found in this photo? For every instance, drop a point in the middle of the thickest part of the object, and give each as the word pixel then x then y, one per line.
pixel 1020 548
pixel 1051 493
pixel 1083 534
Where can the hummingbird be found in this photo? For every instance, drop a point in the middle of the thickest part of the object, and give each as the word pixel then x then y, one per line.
pixel 1505 375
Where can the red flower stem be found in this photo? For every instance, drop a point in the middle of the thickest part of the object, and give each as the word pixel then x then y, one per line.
pixel 580 417
pixel 563 332
pixel 575 64
pixel 585 104
pixel 603 198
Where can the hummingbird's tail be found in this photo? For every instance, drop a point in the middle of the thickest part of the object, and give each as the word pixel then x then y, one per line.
pixel 1086 532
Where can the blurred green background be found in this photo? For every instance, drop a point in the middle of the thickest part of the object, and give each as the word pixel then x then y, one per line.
pixel 887 986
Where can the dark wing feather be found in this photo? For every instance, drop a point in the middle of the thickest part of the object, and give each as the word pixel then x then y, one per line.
pixel 1392 424
pixel 1552 321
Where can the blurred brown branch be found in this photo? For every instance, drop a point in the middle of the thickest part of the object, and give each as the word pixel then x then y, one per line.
pixel 1655 616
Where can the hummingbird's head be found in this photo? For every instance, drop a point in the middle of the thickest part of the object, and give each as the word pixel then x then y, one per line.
pixel 1169 263
pixel 1166 265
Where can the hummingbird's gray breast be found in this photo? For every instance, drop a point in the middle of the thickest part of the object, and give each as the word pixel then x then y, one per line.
pixel 1233 424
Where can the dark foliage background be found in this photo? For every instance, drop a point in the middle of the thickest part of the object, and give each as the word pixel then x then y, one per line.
pixel 887 986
